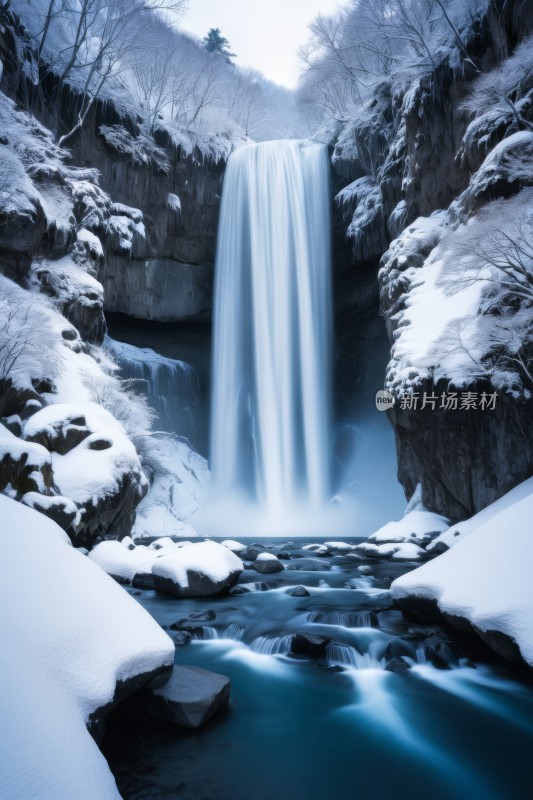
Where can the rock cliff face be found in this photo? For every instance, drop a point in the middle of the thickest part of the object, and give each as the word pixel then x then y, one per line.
pixel 409 154
pixel 175 182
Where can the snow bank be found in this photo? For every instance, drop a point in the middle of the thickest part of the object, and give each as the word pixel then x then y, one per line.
pixel 418 526
pixel 72 633
pixel 486 577
pixel 455 533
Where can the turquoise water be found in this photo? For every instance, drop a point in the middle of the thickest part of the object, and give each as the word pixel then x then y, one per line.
pixel 342 726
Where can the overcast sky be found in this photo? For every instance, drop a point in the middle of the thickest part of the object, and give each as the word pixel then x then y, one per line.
pixel 264 34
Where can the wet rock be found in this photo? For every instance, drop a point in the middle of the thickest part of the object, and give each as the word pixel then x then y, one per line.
pixel 191 696
pixel 396 665
pixel 198 616
pixel 442 653
pixel 251 552
pixel 267 563
pixel 309 564
pixel 182 638
pixel 299 591
pixel 240 590
pixel 304 644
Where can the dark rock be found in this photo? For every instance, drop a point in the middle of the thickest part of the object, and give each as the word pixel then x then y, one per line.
pixel 195 617
pixel 61 510
pixel 62 436
pixel 123 689
pixel 304 644
pixel 159 289
pixel 181 638
pixel 143 580
pixel 396 665
pixel 299 591
pixel 100 444
pixel 442 653
pixel 25 466
pixel 252 551
pixel 190 697
pixel 309 564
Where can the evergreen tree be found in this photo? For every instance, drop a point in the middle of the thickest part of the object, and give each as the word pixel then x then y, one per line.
pixel 214 42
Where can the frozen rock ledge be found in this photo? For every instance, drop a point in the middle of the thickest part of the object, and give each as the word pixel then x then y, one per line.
pixel 483 583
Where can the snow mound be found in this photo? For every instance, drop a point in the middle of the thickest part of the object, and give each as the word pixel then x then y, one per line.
pixel 73 634
pixel 402 551
pixel 455 533
pixel 486 577
pixel 418 526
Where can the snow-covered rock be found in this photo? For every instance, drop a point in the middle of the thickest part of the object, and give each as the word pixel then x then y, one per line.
pixel 402 551
pixel 265 563
pixel 484 581
pixel 456 533
pixel 102 473
pixel 61 510
pixel 74 635
pixel 418 527
pixel 24 467
pixel 235 547
pixel 121 562
pixel 200 569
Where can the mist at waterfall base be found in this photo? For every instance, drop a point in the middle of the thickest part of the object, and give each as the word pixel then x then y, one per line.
pixel 270 452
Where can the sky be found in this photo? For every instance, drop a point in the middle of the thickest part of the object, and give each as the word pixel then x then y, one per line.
pixel 264 34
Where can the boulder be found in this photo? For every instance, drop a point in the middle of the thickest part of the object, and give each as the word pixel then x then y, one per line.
pixel 191 696
pixel 299 591
pixel 24 466
pixel 197 570
pixel 61 510
pixel 303 644
pixel 235 547
pixel 266 563
pixel 309 564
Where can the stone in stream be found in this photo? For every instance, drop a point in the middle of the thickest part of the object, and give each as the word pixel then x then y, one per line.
pixel 190 697
pixel 309 564
pixel 299 591
pixel 197 570
pixel 304 644
pixel 267 563
pixel 197 616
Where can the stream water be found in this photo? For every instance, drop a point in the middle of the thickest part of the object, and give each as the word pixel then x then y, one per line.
pixel 369 717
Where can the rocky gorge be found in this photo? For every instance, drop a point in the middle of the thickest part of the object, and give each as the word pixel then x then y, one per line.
pixel 115 229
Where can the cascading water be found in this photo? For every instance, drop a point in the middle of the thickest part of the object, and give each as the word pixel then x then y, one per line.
pixel 171 386
pixel 270 433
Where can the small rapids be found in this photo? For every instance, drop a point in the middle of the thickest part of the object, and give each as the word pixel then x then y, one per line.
pixel 329 683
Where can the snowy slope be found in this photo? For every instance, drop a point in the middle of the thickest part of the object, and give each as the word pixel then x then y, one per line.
pixel 72 633
pixel 486 577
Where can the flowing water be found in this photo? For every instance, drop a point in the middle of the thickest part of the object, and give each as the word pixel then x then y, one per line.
pixel 270 432
pixel 371 716
pixel 171 387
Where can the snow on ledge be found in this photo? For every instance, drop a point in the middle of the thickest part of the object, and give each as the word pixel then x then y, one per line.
pixel 486 577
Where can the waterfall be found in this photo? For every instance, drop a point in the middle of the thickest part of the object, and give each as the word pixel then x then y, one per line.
pixel 270 432
pixel 171 386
